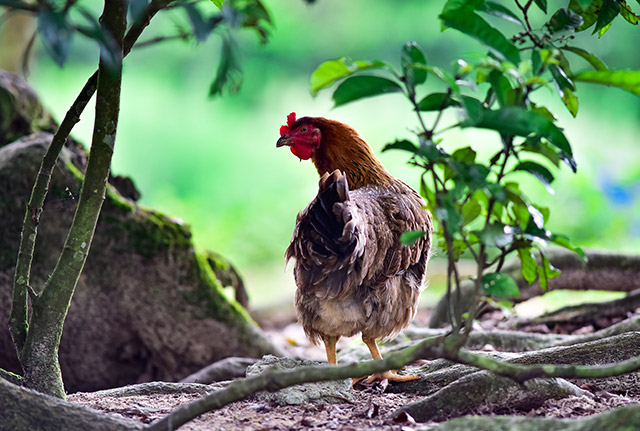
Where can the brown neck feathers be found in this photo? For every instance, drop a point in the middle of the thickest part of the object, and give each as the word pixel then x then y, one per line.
pixel 342 148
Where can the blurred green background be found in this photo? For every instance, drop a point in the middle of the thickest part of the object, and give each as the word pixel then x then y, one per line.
pixel 213 162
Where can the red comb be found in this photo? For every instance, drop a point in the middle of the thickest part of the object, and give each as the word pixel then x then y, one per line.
pixel 291 119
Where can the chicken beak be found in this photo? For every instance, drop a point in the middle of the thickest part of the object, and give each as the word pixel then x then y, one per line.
pixel 284 140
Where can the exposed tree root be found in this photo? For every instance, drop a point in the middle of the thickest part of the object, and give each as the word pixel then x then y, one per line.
pixel 620 419
pixel 602 271
pixel 154 388
pixel 483 390
pixel 24 409
pixel 583 314
pixel 226 369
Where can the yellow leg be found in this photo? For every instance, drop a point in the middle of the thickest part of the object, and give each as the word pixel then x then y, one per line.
pixel 330 346
pixel 389 375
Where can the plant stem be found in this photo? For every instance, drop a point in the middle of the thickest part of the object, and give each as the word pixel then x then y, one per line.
pixel 39 356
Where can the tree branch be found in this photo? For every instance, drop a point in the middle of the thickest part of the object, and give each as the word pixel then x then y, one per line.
pixel 18 320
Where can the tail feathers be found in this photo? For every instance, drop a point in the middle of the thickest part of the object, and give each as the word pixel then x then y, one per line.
pixel 329 216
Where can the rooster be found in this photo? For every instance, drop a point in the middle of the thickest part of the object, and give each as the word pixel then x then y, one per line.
pixel 353 274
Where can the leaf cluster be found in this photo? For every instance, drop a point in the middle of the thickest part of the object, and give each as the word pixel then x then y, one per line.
pixel 60 21
pixel 481 210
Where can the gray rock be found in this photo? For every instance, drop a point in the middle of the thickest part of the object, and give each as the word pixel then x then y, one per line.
pixel 329 391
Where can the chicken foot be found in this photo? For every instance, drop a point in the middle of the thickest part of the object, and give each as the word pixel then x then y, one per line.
pixel 390 375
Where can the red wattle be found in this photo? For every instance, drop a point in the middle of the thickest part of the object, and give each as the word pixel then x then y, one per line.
pixel 303 152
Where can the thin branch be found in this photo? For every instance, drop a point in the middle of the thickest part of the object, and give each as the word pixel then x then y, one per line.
pixel 18 320
pixel 274 380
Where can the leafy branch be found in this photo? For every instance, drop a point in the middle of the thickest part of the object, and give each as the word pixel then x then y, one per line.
pixel 481 210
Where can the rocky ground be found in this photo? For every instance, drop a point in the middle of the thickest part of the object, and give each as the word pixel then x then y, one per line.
pixel 365 408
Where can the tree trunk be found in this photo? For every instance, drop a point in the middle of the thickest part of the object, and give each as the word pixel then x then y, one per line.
pixel 39 356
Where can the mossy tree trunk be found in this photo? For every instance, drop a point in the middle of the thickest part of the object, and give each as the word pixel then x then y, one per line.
pixel 38 341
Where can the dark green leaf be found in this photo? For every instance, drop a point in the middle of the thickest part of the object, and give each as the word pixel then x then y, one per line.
pixel 627 13
pixel 137 8
pixel 498 192
pixel 447 213
pixel 465 154
pixel 538 171
pixel 470 23
pixel 410 57
pixel 456 5
pixel 626 79
pixel 496 9
pixel 546 272
pixel 499 285
pixel 610 9
pixel 436 102
pixel 528 264
pixel 56 33
pixel 561 79
pixel 542 4
pixel 218 3
pixel 543 148
pixel 358 87
pixel 515 120
pixel 564 20
pixel 496 235
pixel 502 88
pixel 331 71
pixel 589 15
pixel 427 149
pixel 229 74
pixel 201 29
pixel 591 58
pixel 411 237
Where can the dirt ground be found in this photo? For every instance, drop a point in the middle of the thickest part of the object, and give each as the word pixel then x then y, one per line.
pixel 372 408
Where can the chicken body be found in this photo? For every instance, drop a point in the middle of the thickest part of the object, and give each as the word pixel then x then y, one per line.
pixel 352 273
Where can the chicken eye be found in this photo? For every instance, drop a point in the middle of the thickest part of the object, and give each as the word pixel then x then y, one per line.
pixel 303 129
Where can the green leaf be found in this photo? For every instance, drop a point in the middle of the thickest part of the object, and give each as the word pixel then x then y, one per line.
pixel 436 102
pixel 410 56
pixel 502 88
pixel 591 58
pixel 427 149
pixel 626 79
pixel 447 213
pixel 546 272
pixel 201 29
pixel 496 235
pixel 570 101
pixel 411 237
pixel 496 9
pixel 499 285
pixel 331 71
pixel 517 121
pixel 542 147
pixel 56 33
pixel 470 23
pixel 218 3
pixel 589 15
pixel 465 154
pixel 229 73
pixel 470 211
pixel 627 13
pixel 528 264
pixel 542 4
pixel 563 241
pixel 610 9
pixel 358 87
pixel 538 171
pixel 564 20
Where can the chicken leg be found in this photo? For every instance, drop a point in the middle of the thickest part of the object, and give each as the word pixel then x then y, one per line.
pixel 389 375
pixel 330 346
